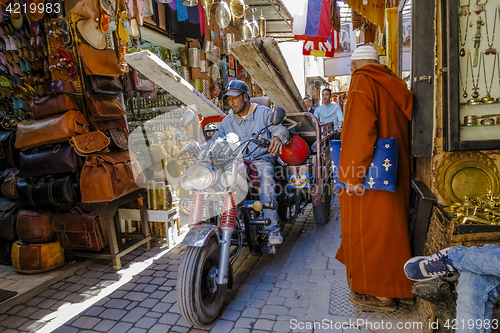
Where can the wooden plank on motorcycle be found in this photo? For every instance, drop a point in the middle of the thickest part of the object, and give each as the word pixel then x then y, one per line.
pixel 262 58
pixel 155 69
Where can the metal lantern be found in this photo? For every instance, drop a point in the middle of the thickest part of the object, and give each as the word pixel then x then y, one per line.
pixel 254 25
pixel 207 4
pixel 262 25
pixel 223 15
pixel 237 8
pixel 190 3
pixel 245 30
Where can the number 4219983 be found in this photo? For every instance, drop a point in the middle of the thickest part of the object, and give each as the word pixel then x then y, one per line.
pixel 47 7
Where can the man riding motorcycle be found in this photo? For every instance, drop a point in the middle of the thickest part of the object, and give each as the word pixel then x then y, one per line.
pixel 244 120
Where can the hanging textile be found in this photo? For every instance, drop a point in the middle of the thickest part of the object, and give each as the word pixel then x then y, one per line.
pixel 314 24
pixel 321 49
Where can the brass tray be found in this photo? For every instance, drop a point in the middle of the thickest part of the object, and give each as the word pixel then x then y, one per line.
pixel 466 175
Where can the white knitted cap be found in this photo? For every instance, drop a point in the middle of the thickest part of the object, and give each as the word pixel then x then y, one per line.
pixel 365 52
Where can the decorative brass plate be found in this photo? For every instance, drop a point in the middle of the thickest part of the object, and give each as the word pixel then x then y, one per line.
pixel 466 174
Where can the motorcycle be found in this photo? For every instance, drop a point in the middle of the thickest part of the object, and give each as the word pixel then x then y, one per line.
pixel 225 213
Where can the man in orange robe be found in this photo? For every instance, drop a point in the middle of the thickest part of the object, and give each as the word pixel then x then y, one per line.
pixel 374 223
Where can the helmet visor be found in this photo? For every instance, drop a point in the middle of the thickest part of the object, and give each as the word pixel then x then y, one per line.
pixel 232 92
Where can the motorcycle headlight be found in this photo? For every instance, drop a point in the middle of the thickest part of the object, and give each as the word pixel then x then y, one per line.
pixel 201 176
pixel 227 179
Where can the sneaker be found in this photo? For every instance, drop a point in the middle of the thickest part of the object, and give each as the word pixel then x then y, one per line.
pixel 274 236
pixel 430 267
pixel 373 302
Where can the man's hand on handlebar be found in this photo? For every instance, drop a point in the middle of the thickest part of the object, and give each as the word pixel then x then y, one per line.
pixel 275 145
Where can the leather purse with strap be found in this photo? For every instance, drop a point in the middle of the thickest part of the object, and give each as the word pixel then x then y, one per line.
pixel 89 143
pixel 104 107
pixel 99 62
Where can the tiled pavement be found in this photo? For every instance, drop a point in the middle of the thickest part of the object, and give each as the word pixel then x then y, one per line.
pixel 287 292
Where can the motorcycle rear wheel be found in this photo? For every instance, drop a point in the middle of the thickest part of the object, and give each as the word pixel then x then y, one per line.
pixel 198 303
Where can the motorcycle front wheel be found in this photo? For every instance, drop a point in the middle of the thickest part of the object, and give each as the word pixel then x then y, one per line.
pixel 200 299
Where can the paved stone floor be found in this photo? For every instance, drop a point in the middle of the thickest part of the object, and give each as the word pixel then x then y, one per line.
pixel 300 289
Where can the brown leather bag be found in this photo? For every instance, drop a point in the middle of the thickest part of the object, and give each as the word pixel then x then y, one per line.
pixel 116 130
pixel 79 230
pixel 8 187
pixel 106 177
pixel 99 62
pixel 136 81
pixel 52 104
pixel 104 107
pixel 36 258
pixel 35 226
pixel 89 143
pixel 55 129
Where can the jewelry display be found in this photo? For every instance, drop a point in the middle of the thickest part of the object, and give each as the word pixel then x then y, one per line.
pixel 490 49
pixel 477 41
pixel 488 98
pixel 470 120
pixel 464 11
pixel 464 87
pixel 475 84
pixel 488 121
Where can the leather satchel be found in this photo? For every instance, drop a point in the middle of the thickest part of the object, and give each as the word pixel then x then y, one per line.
pixel 106 177
pixel 99 62
pixel 135 81
pixel 382 172
pixel 103 85
pixel 9 156
pixel 35 226
pixel 104 107
pixel 52 104
pixel 89 143
pixel 49 159
pixel 79 230
pixel 8 187
pixel 48 190
pixel 55 129
pixel 8 211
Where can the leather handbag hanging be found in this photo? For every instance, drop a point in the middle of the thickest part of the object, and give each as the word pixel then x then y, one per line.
pixel 116 130
pixel 8 188
pixel 136 81
pixel 8 212
pixel 89 143
pixel 104 107
pixel 106 177
pixel 9 156
pixel 48 190
pixel 103 85
pixel 36 258
pixel 55 129
pixel 99 62
pixel 79 230
pixel 52 104
pixel 49 159
pixel 35 226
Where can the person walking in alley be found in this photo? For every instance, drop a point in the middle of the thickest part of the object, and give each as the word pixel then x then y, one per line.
pixel 330 112
pixel 375 241
pixel 478 287
pixel 309 104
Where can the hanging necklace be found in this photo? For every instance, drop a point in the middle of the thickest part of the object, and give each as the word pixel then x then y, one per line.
pixel 464 87
pixel 488 98
pixel 464 11
pixel 490 49
pixel 475 83
pixel 480 7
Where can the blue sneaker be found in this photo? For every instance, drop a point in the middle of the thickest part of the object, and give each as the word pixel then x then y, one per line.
pixel 274 236
pixel 430 267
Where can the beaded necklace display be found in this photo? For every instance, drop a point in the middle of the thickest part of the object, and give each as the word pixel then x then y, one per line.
pixel 475 82
pixel 490 49
pixel 464 87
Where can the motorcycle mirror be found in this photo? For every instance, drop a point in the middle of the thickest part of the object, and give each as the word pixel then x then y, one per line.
pixel 277 116
pixel 188 117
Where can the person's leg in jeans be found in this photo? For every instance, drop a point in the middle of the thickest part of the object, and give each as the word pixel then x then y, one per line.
pixel 267 194
pixel 478 286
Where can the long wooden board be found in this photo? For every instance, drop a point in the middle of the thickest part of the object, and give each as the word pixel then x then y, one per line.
pixel 262 58
pixel 155 69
